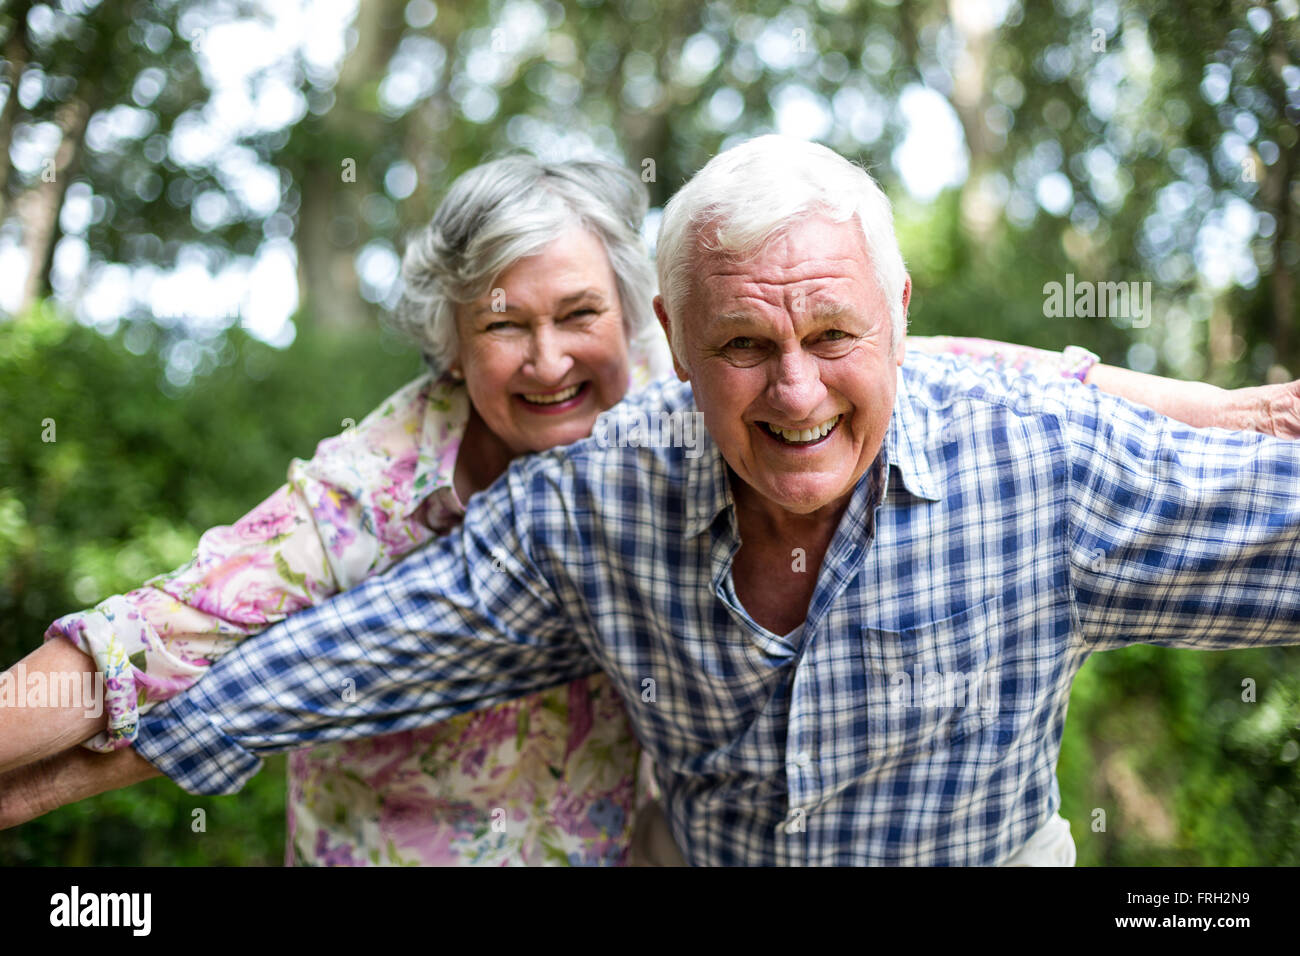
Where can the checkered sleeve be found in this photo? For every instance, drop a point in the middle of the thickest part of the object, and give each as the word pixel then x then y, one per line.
pixel 1179 536
pixel 466 622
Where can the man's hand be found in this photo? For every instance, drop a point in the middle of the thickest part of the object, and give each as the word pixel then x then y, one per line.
pixel 37 788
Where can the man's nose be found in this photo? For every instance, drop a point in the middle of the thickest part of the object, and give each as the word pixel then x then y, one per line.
pixel 796 389
pixel 548 359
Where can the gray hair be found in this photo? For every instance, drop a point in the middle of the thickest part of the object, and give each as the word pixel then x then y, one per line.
pixel 747 195
pixel 503 210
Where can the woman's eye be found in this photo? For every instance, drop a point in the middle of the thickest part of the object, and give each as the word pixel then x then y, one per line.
pixel 498 326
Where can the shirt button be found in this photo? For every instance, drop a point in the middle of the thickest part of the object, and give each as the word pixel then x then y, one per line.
pixel 802 758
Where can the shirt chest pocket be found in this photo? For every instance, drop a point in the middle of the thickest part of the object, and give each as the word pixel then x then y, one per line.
pixel 933 685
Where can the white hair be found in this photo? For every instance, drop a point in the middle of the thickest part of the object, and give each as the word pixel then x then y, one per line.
pixel 749 194
pixel 503 210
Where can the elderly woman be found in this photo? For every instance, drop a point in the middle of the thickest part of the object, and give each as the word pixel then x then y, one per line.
pixel 530 295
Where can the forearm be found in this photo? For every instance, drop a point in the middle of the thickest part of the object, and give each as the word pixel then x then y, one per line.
pixel 1271 409
pixel 50 700
pixel 75 774
pixel 1193 403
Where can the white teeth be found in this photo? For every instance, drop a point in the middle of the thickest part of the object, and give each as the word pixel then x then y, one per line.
pixel 554 398
pixel 803 435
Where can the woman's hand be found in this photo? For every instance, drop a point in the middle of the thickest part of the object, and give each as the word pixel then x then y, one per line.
pixel 1271 409
pixel 36 789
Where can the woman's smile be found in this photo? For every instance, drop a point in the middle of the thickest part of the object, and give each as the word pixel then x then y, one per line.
pixel 555 401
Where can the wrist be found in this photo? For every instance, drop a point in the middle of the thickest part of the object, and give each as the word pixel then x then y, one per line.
pixel 1248 409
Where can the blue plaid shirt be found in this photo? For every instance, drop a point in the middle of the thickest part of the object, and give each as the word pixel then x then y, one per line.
pixel 1009 528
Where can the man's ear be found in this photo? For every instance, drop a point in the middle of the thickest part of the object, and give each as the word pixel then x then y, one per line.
pixel 900 350
pixel 662 315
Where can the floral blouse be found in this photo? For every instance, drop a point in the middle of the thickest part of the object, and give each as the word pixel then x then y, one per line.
pixel 553 778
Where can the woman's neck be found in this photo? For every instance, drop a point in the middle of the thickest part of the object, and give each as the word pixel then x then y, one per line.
pixel 483 456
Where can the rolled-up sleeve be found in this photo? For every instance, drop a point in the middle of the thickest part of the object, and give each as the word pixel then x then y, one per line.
pixel 1179 536
pixel 464 623
pixel 1074 362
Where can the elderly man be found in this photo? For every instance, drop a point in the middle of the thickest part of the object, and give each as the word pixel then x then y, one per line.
pixel 846 626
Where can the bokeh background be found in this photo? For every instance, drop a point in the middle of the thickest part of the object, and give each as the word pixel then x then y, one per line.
pixel 203 205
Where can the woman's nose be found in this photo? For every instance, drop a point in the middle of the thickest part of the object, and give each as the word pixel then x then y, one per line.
pixel 549 360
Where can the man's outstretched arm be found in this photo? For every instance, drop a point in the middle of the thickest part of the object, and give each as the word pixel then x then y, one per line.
pixel 1179 537
pixel 466 622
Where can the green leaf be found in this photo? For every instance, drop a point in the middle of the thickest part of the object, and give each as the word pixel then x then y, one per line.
pixel 281 565
pixel 521 734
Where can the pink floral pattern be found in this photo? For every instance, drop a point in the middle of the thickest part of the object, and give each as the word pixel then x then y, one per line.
pixel 552 778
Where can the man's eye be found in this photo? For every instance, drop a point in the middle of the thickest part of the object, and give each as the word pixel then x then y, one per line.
pixel 580 313
pixel 835 342
pixel 741 342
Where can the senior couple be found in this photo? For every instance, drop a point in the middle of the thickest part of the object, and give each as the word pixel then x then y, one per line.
pixel 841 630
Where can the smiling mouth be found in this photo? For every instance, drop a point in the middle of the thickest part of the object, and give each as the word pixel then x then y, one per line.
pixel 802 437
pixel 562 400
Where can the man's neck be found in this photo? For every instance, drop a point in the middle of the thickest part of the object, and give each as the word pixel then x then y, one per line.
pixel 780 558
pixel 762 515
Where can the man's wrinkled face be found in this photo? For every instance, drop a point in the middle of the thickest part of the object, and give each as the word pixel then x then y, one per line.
pixel 791 359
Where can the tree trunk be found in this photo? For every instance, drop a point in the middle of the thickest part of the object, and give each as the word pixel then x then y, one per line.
pixel 327 279
pixel 39 207
pixel 970 100
pixel 16 57
pixel 1278 192
pixel 328 287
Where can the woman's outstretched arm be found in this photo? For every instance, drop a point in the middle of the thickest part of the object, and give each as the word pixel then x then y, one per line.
pixel 1271 409
pixel 350 512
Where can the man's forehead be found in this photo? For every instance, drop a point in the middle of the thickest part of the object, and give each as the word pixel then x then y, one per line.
pixel 805 251
pixel 819 281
